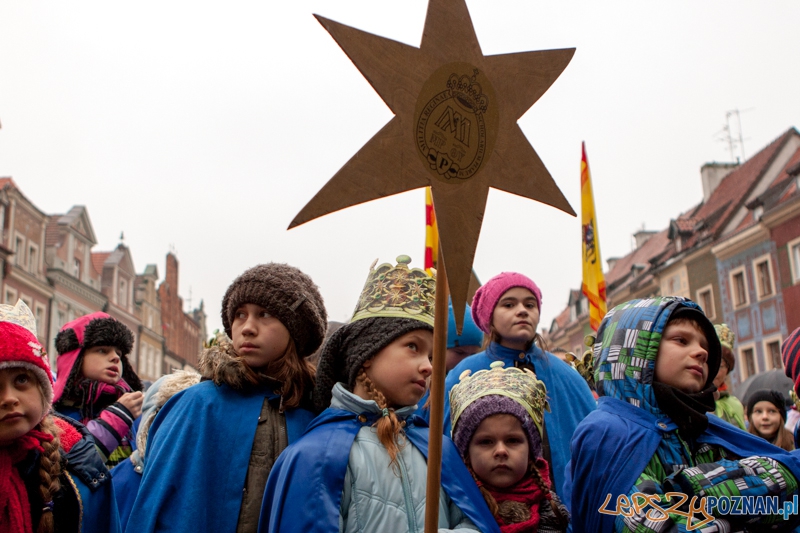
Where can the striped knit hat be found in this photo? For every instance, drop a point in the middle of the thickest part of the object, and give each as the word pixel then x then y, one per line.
pixel 791 358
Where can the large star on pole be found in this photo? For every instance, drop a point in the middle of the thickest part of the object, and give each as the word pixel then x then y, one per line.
pixel 455 129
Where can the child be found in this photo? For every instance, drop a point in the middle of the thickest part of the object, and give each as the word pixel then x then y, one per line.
pixel 497 424
pixel 728 408
pixel 507 310
pixel 51 477
pixel 96 383
pixel 127 475
pixel 211 447
pixel 655 362
pixel 766 411
pixel 361 466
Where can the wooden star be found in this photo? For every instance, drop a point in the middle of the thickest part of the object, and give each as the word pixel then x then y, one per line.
pixel 455 129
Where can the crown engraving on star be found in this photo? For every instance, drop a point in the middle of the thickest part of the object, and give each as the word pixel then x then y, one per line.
pixel 468 93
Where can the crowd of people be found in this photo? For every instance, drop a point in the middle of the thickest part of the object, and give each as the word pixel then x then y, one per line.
pixel 261 439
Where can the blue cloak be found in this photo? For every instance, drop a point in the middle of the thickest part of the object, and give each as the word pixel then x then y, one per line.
pixel 198 451
pixel 618 440
pixel 310 475
pixel 569 395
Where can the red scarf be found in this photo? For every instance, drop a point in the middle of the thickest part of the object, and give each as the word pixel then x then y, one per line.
pixel 15 509
pixel 527 492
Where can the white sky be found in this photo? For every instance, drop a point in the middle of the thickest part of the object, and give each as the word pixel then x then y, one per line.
pixel 208 126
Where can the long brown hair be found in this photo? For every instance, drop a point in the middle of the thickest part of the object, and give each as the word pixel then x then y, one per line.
pixel 388 427
pixel 782 439
pixel 295 373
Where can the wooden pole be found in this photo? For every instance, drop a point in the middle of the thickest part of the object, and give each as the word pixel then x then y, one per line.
pixel 437 399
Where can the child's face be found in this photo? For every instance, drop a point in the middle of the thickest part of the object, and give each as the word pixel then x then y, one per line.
pixel 516 317
pixel 102 363
pixel 258 337
pixel 766 418
pixel 457 354
pixel 21 404
pixel 401 370
pixel 682 357
pixel 498 452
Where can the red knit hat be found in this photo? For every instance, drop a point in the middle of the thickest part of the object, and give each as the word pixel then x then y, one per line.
pixel 19 346
pixel 489 294
pixel 791 358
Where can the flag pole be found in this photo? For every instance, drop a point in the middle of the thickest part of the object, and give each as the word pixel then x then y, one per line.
pixel 437 399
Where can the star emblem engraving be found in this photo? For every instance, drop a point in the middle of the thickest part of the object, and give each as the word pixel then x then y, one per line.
pixel 455 129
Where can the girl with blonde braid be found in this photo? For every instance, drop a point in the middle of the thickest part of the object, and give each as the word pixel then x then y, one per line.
pixel 497 421
pixel 51 477
pixel 361 465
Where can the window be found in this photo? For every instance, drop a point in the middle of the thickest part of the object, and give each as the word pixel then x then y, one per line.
pixel 762 267
pixel 772 353
pixel 793 248
pixel 123 293
pixel 40 318
pixel 739 287
pixel 19 251
pixel 11 296
pixel 62 319
pixel 705 297
pixel 33 259
pixel 748 356
pixel 76 268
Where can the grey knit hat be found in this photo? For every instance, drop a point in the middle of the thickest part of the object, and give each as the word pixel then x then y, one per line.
pixel 288 294
pixel 487 406
pixel 351 346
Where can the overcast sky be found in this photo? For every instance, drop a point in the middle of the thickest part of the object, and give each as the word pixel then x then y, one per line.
pixel 207 126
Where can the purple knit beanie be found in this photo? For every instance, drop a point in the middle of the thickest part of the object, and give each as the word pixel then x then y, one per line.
pixel 489 294
pixel 483 408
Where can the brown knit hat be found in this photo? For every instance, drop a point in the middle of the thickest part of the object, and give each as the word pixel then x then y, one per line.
pixel 288 294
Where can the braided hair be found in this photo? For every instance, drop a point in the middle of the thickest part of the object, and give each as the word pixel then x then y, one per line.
pixel 49 473
pixel 388 426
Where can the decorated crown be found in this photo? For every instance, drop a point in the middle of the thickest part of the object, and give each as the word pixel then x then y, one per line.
pixel 397 292
pixel 585 364
pixel 19 314
pixel 725 334
pixel 521 385
pixel 468 92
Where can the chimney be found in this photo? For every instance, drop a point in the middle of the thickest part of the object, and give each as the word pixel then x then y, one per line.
pixel 642 236
pixel 611 261
pixel 711 174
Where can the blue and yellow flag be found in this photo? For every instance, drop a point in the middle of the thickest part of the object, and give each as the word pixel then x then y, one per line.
pixel 594 285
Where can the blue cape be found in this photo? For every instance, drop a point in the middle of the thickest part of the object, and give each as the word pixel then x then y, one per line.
pixel 569 395
pixel 618 440
pixel 198 451
pixel 310 475
pixel 126 481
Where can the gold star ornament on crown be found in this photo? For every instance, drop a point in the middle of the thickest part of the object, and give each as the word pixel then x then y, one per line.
pixel 455 129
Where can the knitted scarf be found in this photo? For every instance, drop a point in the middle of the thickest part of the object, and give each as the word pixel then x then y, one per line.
pixel 97 396
pixel 15 510
pixel 519 504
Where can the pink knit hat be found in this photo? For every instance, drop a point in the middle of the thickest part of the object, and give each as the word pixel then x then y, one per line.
pixel 489 294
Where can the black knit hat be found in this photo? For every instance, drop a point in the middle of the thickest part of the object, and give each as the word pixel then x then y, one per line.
pixel 351 346
pixel 288 294
pixel 772 396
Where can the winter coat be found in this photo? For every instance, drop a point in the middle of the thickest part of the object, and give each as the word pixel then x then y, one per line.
pixel 85 502
pixel 201 449
pixel 630 445
pixel 348 482
pixel 730 409
pixel 569 396
pixel 128 474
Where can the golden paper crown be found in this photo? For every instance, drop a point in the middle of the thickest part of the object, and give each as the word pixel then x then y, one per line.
pixel 521 385
pixel 397 292
pixel 585 364
pixel 19 314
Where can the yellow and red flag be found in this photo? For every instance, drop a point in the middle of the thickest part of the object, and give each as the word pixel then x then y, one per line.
pixel 594 285
pixel 431 233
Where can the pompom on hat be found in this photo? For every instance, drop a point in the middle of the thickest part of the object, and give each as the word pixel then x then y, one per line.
pixel 790 352
pixel 498 390
pixel 288 294
pixel 19 346
pixel 489 294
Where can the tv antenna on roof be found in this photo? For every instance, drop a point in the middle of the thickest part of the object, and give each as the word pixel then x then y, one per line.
pixel 729 136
